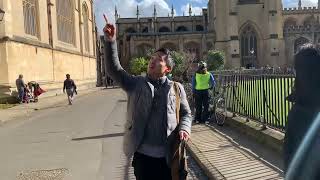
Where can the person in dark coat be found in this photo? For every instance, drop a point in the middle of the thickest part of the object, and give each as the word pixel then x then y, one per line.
pixel 70 87
pixel 306 99
pixel 20 88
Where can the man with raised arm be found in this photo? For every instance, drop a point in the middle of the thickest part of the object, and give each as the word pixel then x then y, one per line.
pixel 151 110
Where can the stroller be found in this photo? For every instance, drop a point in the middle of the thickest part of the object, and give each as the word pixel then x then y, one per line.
pixel 28 97
pixel 34 91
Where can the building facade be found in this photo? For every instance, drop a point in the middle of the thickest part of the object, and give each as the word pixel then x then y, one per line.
pixel 180 33
pixel 46 39
pixel 252 33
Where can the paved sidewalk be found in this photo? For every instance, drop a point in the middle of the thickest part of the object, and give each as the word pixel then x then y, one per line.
pixel 222 158
pixel 25 110
pixel 78 142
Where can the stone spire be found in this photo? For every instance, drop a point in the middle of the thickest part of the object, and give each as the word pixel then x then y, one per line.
pixel 190 10
pixel 299 4
pixel 138 12
pixel 116 13
pixel 154 11
pixel 172 11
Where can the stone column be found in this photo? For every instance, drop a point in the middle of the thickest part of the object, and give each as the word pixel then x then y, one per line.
pixel 131 48
pixel 180 44
pixel 203 45
pixel 157 45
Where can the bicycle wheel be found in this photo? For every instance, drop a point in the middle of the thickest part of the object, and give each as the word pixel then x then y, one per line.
pixel 220 112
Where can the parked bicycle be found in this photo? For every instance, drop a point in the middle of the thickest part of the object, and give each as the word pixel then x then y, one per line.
pixel 218 100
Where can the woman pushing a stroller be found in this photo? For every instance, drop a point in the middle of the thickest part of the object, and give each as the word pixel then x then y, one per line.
pixel 32 91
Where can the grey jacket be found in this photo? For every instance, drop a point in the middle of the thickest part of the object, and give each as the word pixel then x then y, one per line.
pixel 20 84
pixel 140 93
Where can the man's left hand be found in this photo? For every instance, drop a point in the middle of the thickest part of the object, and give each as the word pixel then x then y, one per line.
pixel 184 135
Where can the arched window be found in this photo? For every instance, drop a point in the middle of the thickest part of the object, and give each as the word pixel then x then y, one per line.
pixel 209 46
pixel 85 16
pixel 30 13
pixel 309 21
pixel 65 21
pixel 193 50
pixel 199 28
pixel 145 30
pixel 248 45
pixel 143 49
pixel 181 29
pixel 131 30
pixel 169 45
pixel 164 29
pixel 299 42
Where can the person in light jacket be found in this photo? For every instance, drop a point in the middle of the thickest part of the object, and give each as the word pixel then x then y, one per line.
pixel 151 110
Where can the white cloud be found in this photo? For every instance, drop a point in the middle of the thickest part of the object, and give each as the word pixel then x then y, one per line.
pixel 128 8
pixel 195 10
pixel 309 3
pixel 305 3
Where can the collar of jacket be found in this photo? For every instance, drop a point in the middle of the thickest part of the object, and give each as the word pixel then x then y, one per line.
pixel 162 80
pixel 151 86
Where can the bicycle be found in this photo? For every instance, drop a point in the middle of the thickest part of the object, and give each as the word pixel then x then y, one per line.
pixel 218 106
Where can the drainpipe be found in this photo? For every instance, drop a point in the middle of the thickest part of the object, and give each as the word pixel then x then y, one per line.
pixel 49 5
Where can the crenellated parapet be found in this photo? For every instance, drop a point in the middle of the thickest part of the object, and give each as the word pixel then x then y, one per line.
pixel 302 10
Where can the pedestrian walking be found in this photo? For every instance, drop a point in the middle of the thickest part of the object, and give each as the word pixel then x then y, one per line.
pixel 158 113
pixel 70 87
pixel 202 81
pixel 306 99
pixel 20 88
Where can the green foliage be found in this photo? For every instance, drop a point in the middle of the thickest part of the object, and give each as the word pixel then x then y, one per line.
pixel 179 67
pixel 215 60
pixel 183 66
pixel 138 65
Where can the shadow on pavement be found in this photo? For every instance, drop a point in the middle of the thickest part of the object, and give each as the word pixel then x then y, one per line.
pixel 99 137
pixel 261 152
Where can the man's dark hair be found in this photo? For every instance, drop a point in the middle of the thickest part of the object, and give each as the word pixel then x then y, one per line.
pixel 307 66
pixel 67 74
pixel 169 60
pixel 307 58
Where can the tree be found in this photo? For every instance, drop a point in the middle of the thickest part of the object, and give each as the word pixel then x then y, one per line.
pixel 178 61
pixel 138 65
pixel 183 63
pixel 215 60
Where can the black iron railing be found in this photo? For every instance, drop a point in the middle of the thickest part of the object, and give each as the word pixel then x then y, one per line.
pixel 260 97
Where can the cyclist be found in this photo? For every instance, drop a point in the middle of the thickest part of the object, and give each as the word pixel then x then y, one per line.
pixel 202 81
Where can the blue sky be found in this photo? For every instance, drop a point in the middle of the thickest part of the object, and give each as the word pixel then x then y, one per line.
pixel 127 8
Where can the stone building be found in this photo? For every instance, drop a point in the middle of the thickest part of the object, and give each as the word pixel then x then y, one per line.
pixel 181 33
pixel 252 33
pixel 46 39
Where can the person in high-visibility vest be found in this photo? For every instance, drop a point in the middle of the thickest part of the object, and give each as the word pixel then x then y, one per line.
pixel 201 83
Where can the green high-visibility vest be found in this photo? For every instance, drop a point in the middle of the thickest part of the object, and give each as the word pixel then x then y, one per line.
pixel 202 81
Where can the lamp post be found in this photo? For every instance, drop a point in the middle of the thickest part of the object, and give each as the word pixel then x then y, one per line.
pixel 1 14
